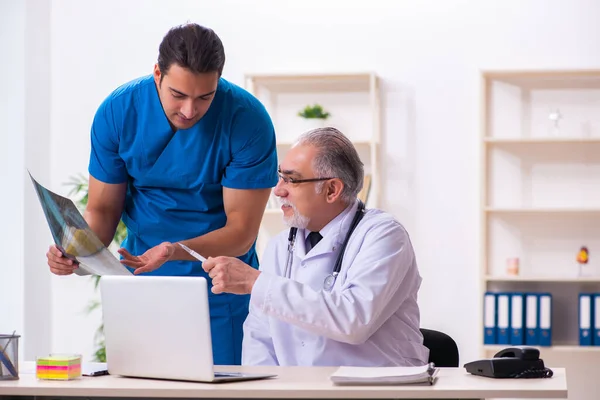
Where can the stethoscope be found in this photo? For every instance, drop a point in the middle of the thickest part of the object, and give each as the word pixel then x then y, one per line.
pixel 329 279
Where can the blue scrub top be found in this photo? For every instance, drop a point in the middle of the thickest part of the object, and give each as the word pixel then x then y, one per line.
pixel 175 180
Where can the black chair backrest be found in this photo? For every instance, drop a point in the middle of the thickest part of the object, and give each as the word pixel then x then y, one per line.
pixel 443 351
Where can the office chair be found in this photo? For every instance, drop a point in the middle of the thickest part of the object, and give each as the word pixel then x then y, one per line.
pixel 443 351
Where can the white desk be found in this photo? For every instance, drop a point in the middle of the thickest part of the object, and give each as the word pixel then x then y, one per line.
pixel 291 383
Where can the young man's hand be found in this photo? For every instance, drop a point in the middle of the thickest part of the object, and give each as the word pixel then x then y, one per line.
pixel 150 260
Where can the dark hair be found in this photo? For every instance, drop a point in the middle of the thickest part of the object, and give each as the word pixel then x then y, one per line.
pixel 193 47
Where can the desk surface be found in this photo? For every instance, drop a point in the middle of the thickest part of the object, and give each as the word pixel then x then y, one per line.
pixel 293 382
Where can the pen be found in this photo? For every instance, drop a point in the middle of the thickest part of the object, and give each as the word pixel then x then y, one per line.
pixel 192 252
pixel 8 364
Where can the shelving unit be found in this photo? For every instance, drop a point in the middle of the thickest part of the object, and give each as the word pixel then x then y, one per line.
pixel 540 278
pixel 353 101
pixel 540 198
pixel 556 348
pixel 557 140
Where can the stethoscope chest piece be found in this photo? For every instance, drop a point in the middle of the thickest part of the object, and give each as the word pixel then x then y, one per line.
pixel 329 282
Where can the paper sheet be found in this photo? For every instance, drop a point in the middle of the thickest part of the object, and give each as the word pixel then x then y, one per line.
pixel 74 237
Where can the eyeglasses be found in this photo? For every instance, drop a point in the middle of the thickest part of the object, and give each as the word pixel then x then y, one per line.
pixel 293 181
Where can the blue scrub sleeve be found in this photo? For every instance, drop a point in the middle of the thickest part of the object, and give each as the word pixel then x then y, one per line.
pixel 106 164
pixel 254 161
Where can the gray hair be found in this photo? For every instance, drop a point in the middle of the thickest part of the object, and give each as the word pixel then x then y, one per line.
pixel 336 157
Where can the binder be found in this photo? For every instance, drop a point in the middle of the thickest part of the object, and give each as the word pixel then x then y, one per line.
pixel 595 322
pixel 489 318
pixel 346 375
pixel 545 320
pixel 503 301
pixel 586 312
pixel 517 319
pixel 531 319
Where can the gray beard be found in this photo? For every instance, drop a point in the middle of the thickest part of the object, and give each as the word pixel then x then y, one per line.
pixel 296 221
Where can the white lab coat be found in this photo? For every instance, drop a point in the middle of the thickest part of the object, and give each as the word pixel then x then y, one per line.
pixel 369 318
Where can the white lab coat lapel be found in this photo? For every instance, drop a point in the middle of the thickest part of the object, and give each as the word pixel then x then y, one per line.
pixel 318 263
pixel 300 244
pixel 334 239
pixel 321 258
pixel 329 244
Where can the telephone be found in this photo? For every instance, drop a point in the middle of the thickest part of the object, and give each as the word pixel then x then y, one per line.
pixel 512 362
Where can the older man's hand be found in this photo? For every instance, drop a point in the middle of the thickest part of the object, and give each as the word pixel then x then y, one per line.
pixel 230 275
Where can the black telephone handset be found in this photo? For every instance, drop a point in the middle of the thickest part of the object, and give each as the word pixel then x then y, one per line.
pixel 512 362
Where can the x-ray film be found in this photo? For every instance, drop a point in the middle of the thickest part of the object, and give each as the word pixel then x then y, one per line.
pixel 73 236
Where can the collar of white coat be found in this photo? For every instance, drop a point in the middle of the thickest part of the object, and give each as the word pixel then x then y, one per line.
pixel 334 232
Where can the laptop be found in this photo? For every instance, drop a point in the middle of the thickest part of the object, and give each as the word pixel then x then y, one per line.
pixel 159 327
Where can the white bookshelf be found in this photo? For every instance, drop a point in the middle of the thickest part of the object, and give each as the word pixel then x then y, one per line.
pixel 565 348
pixel 542 140
pixel 540 198
pixel 354 103
pixel 559 210
pixel 541 279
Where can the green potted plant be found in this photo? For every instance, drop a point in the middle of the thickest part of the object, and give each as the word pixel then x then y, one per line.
pixel 313 116
pixel 79 192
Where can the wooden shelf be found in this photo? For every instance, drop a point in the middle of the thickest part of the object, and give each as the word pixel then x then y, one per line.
pixel 538 199
pixel 540 278
pixel 550 79
pixel 541 210
pixel 343 82
pixel 541 140
pixel 558 347
pixel 528 74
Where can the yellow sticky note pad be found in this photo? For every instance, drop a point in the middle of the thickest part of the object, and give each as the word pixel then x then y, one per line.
pixel 59 367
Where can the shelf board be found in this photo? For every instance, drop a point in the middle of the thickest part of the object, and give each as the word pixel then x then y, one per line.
pixel 542 140
pixel 557 347
pixel 542 210
pixel 541 278
pixel 547 79
pixel 350 82
pixel 540 73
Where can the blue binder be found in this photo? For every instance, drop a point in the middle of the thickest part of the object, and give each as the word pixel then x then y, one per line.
pixel 517 319
pixel 545 320
pixel 531 319
pixel 596 320
pixel 489 318
pixel 503 304
pixel 586 312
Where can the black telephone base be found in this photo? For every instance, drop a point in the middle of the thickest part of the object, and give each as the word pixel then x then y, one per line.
pixel 509 368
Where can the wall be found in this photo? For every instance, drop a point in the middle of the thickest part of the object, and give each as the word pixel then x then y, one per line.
pixel 38 282
pixel 12 121
pixel 428 54
pixel 25 116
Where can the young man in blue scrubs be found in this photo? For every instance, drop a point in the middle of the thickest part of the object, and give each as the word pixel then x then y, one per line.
pixel 182 155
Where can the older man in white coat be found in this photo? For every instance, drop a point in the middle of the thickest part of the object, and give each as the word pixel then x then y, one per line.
pixel 340 288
